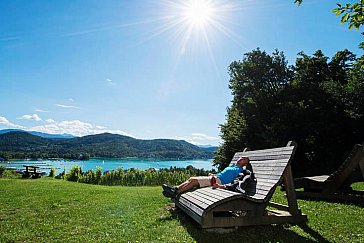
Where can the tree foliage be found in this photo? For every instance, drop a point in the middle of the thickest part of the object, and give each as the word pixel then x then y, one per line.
pixel 256 83
pixel 318 103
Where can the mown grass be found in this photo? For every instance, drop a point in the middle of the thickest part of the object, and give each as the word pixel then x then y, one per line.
pixel 50 210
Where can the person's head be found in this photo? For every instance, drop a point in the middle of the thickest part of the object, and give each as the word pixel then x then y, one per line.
pixel 243 161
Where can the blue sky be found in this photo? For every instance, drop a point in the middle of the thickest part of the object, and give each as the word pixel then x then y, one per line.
pixel 144 68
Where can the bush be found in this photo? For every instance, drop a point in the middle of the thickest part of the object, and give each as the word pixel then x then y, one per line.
pixel 52 172
pixel 2 170
pixel 8 173
pixel 74 174
pixel 134 177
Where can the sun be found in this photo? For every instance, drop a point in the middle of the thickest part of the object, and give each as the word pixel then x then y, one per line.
pixel 195 25
pixel 198 12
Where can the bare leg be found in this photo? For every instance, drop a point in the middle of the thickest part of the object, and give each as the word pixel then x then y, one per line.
pixel 187 185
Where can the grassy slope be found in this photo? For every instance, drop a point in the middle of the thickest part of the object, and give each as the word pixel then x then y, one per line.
pixel 55 210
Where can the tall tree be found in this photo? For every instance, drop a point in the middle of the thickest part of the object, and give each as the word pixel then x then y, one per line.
pixel 255 84
pixel 318 103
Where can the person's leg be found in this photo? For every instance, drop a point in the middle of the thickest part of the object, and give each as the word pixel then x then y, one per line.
pixel 192 182
pixel 187 185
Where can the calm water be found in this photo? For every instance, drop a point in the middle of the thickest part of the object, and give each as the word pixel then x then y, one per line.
pixel 109 164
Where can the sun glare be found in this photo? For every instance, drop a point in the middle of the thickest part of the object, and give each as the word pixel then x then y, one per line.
pixel 196 25
pixel 198 12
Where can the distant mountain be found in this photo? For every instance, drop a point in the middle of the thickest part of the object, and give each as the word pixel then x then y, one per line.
pixel 209 147
pixel 17 144
pixel 40 134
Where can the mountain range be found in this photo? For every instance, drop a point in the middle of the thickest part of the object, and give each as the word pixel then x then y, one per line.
pixel 40 134
pixel 21 144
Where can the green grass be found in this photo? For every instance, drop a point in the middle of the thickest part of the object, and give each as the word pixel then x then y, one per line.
pixel 50 210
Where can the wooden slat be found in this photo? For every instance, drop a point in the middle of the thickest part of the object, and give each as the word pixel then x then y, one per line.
pixel 269 164
pixel 197 201
pixel 208 198
pixel 199 193
pixel 263 153
pixel 255 159
pixel 196 209
pixel 262 191
pixel 219 191
pixel 221 194
pixel 258 174
pixel 258 159
pixel 260 186
pixel 265 180
pixel 263 183
pixel 273 178
pixel 280 150
pixel 275 167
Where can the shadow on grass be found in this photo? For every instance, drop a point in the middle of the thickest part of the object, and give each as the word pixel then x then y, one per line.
pixel 358 201
pixel 270 233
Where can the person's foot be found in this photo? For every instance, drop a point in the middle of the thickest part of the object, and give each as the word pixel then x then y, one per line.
pixel 169 191
pixel 170 188
pixel 169 194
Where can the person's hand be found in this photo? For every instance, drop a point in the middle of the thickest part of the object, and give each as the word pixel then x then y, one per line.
pixel 216 185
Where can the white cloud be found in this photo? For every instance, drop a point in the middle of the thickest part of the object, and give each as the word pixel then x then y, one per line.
pixel 70 99
pixel 200 139
pixel 75 127
pixel 39 110
pixel 110 82
pixel 6 122
pixel 50 120
pixel 100 127
pixel 68 106
pixel 33 117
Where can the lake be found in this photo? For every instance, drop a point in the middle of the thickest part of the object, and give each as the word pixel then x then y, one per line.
pixel 109 164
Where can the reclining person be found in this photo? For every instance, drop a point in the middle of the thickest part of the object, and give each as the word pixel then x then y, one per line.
pixel 224 177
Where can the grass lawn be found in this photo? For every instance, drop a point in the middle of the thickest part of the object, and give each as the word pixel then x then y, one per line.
pixel 50 210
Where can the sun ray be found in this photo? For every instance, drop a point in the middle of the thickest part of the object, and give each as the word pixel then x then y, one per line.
pixel 193 25
pixel 199 20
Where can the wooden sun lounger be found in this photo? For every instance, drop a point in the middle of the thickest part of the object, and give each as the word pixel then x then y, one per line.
pixel 222 208
pixel 337 186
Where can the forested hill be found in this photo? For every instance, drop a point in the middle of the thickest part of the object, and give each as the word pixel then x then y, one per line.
pixel 20 145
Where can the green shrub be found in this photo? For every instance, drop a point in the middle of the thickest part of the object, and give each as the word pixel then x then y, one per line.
pixel 73 174
pixel 134 177
pixel 52 172
pixel 2 170
pixel 8 173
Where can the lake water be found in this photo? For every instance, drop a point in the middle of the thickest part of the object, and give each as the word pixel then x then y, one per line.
pixel 109 164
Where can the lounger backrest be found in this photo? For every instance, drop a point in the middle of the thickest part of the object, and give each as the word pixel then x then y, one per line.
pixel 268 167
pixel 352 162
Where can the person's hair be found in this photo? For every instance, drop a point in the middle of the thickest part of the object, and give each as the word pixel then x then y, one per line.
pixel 249 167
pixel 241 157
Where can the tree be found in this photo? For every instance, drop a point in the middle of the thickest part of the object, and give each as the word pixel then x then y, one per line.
pixel 318 103
pixel 256 82
pixel 319 125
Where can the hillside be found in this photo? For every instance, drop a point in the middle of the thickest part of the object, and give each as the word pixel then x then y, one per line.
pixel 21 145
pixel 40 134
